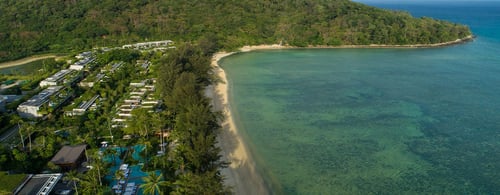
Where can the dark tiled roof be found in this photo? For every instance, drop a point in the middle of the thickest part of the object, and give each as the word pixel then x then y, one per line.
pixel 39 184
pixel 68 154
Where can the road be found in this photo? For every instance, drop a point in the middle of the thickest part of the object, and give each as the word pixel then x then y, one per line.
pixel 9 133
pixel 25 60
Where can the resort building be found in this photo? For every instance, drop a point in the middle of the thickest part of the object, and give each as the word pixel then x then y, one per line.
pixel 148 45
pixel 30 108
pixel 144 66
pixel 83 63
pixel 92 80
pixel 140 96
pixel 70 157
pixel 112 67
pixel 82 55
pixel 83 107
pixel 44 102
pixel 39 184
pixel 66 76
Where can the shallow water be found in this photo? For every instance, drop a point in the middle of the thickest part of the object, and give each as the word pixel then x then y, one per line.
pixel 390 121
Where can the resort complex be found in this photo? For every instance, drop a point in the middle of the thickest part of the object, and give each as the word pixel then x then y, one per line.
pixel 249 97
pixel 47 100
pixel 84 90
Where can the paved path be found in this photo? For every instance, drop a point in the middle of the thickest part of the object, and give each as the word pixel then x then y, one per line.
pixel 25 60
pixel 9 133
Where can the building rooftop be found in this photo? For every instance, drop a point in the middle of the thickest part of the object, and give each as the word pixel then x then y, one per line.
pixel 84 61
pixel 42 97
pixel 149 44
pixel 40 184
pixel 68 154
pixel 85 105
pixel 116 66
pixel 59 75
pixel 84 54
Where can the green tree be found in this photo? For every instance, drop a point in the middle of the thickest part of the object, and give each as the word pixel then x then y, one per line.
pixel 153 184
pixel 110 152
pixel 140 123
pixel 29 128
pixel 204 184
pixel 73 177
pixel 119 175
pixel 21 158
pixel 185 92
pixel 16 120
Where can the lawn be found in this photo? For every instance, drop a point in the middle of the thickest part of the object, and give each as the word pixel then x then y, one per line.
pixel 10 182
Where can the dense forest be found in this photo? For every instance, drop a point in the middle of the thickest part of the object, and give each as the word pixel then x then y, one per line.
pixel 30 26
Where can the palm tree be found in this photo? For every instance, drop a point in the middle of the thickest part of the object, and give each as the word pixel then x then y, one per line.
pixel 30 129
pixel 72 176
pixel 110 152
pixel 119 174
pixel 113 153
pixel 16 119
pixel 89 183
pixel 153 184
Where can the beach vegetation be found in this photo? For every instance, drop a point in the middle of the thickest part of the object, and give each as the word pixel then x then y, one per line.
pixel 153 184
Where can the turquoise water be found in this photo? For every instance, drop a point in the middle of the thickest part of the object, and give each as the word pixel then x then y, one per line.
pixel 383 121
pixel 136 174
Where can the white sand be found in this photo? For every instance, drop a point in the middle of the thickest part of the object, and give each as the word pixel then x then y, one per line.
pixel 241 174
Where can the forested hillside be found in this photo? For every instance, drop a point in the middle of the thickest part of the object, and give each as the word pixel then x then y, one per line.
pixel 33 26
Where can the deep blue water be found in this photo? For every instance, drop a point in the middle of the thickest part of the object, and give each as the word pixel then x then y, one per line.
pixel 382 121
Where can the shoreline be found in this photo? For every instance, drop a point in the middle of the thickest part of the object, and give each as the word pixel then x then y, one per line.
pixel 433 45
pixel 375 46
pixel 241 174
pixel 25 60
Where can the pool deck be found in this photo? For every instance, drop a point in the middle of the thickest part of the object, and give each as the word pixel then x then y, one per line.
pixel 133 174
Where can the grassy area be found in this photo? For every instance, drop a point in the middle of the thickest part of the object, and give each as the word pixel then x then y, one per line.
pixel 24 70
pixel 10 182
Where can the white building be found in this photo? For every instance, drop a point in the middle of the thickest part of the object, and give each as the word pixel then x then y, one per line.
pixel 31 108
pixel 83 107
pixel 56 79
pixel 81 64
pixel 147 45
pixel 86 54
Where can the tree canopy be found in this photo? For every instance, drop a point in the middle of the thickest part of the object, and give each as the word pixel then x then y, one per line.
pixel 31 26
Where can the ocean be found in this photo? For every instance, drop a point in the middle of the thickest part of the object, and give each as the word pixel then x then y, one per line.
pixel 376 121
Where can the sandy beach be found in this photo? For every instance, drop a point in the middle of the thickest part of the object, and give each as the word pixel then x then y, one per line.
pixel 240 175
